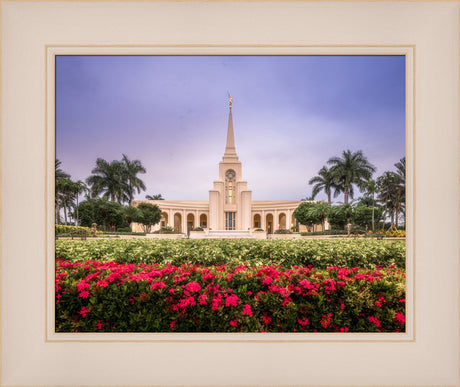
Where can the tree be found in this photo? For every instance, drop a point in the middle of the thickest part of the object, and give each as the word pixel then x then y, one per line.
pixel 303 215
pixel 131 213
pixel 364 216
pixel 148 216
pixel 154 197
pixel 371 189
pixel 64 191
pixel 352 169
pixel 131 169
pixel 310 213
pixel 58 175
pixel 390 194
pixel 324 182
pixel 110 215
pixel 109 179
pixel 58 172
pixel 340 215
pixel 401 200
pixel 78 188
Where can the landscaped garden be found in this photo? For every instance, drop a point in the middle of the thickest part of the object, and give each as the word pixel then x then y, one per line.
pixel 353 285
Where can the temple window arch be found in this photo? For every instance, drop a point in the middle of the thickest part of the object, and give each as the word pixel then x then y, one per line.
pixel 257 221
pixel 230 188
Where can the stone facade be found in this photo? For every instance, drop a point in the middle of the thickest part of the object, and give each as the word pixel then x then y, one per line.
pixel 230 205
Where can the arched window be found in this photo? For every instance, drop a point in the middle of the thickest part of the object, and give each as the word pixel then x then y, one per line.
pixel 230 187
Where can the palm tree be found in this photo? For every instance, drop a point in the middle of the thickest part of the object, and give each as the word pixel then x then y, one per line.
pixel 64 190
pixel 132 169
pixel 78 188
pixel 388 193
pixel 401 172
pixel 320 210
pixel 401 169
pixel 154 197
pixel 108 178
pixel 58 174
pixel 324 182
pixel 371 189
pixel 349 170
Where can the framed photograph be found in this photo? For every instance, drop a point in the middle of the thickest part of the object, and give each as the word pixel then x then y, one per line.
pixel 96 283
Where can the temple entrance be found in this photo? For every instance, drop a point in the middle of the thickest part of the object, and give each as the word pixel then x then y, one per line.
pixel 230 218
pixel 177 223
pixel 269 223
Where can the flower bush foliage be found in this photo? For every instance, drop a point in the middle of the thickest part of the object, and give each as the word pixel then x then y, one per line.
pixel 63 229
pixel 96 296
pixel 365 253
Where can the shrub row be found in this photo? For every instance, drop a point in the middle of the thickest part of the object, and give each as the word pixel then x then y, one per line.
pixel 64 229
pixel 319 253
pixel 98 296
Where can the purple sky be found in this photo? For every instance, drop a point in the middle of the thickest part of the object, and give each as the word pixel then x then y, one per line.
pixel 290 115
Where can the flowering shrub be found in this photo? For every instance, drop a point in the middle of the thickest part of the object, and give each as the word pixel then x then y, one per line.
pixel 366 253
pixel 64 229
pixel 95 296
pixel 396 233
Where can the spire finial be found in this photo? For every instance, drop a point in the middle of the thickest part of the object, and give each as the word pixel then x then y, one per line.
pixel 230 100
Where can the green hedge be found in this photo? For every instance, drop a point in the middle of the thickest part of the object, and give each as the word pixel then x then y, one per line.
pixel 64 229
pixel 112 297
pixel 365 253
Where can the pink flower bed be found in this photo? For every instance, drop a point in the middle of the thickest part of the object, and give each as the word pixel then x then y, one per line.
pixel 95 296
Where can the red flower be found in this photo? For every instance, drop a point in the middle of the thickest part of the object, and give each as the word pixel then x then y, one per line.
pixel 102 283
pixel 216 302
pixel 82 285
pixel 247 309
pixel 326 320
pixel 83 311
pixel 172 324
pixel 158 285
pixel 303 322
pixel 375 321
pixel 266 319
pixel 84 294
pixel 399 318
pixel 203 298
pixel 267 280
pixel 233 323
pixel 193 287
pixel 231 300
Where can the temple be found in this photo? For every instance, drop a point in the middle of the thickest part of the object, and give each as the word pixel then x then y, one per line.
pixel 230 209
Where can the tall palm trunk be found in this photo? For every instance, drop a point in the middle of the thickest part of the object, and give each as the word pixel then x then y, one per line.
pixel 345 195
pixel 65 213
pixel 373 204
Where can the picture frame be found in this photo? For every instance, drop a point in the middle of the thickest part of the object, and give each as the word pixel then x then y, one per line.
pixel 35 31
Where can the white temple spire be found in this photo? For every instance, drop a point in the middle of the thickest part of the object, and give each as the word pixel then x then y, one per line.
pixel 230 151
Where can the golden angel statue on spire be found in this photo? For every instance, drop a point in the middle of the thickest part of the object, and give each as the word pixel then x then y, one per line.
pixel 230 99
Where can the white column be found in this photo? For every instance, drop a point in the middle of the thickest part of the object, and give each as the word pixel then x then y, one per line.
pixel 184 221
pixel 263 221
pixel 197 219
pixel 276 221
pixel 288 219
